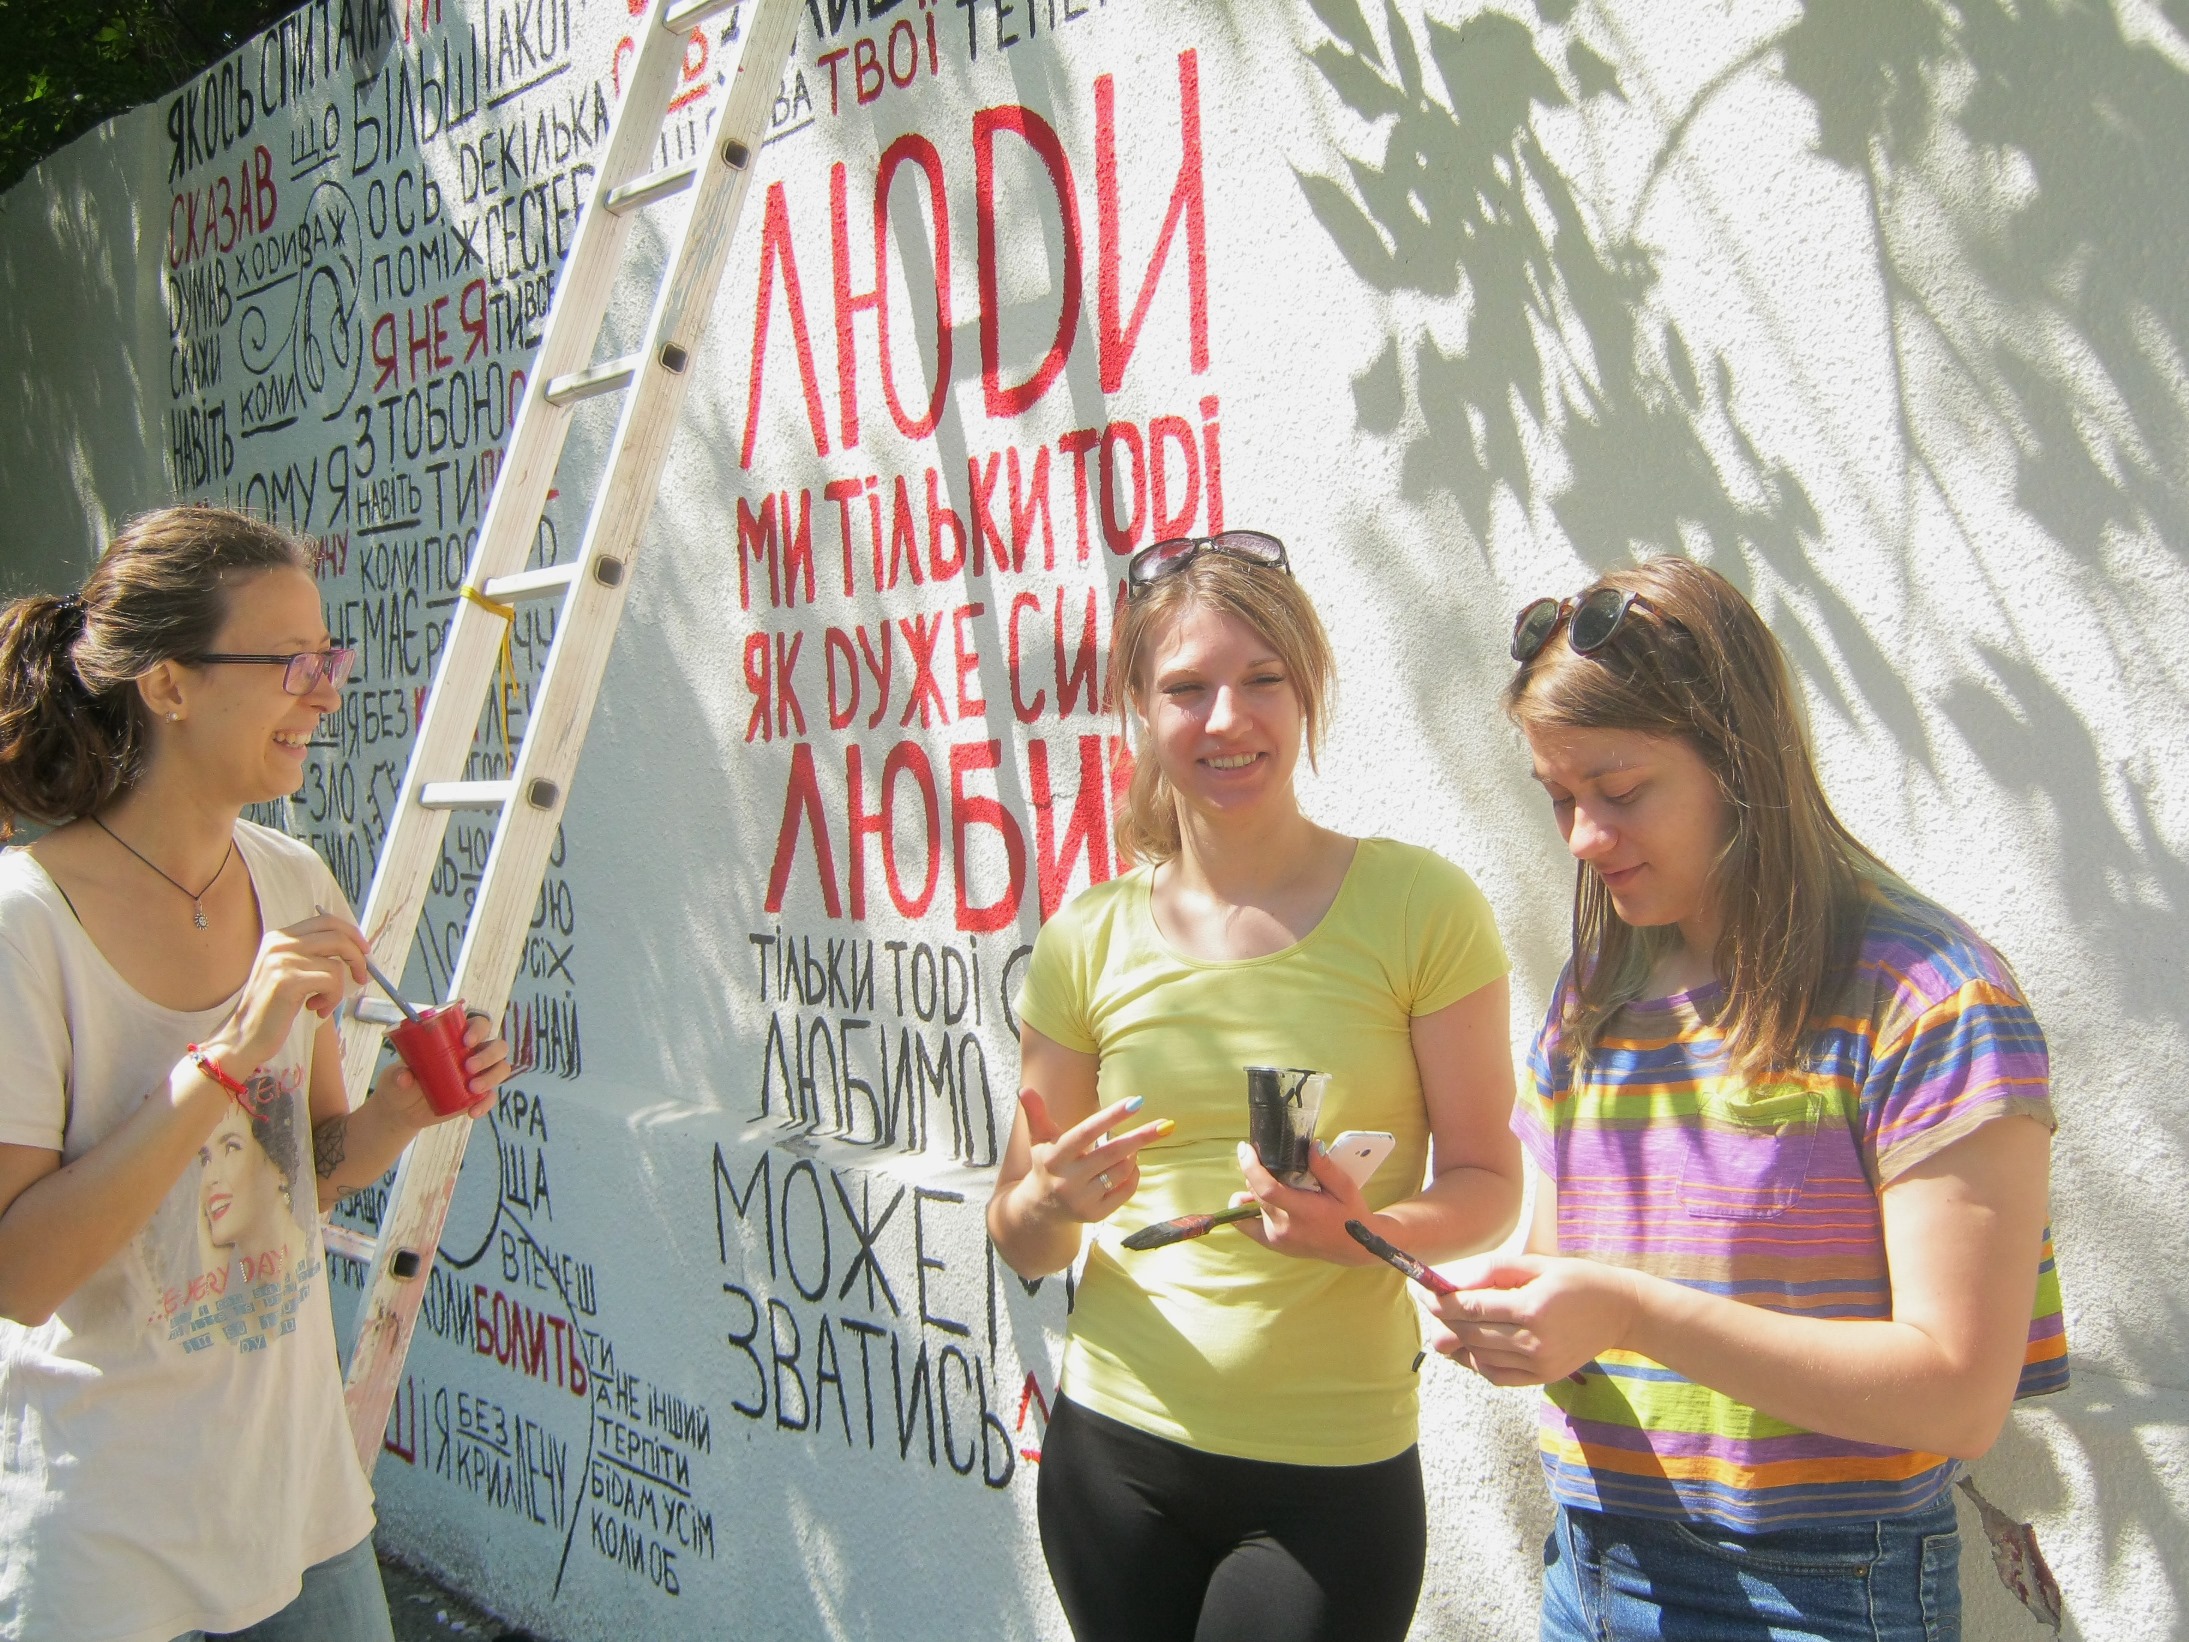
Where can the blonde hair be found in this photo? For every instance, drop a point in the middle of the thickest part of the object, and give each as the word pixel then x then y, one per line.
pixel 1270 602
pixel 1693 662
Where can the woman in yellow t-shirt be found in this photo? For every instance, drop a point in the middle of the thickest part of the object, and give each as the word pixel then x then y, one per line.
pixel 1233 1452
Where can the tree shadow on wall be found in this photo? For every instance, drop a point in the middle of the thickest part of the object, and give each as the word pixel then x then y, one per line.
pixel 2020 166
pixel 2068 312
pixel 1567 394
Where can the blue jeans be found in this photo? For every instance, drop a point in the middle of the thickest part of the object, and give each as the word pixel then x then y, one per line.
pixel 341 1602
pixel 1650 1579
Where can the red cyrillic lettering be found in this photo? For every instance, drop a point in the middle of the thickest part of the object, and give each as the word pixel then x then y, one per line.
pixel 970 810
pixel 1026 711
pixel 1166 523
pixel 1083 833
pixel 1116 342
pixel 921 634
pixel 1076 445
pixel 940 565
pixel 919 151
pixel 1038 135
pixel 775 251
pixel 761 726
pixel 802 808
pixel 968 659
pixel 840 711
pixel 758 540
pixel 1123 538
pixel 986 538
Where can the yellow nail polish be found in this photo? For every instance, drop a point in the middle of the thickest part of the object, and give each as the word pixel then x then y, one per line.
pixel 1164 1126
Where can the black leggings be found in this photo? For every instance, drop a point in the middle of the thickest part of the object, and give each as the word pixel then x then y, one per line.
pixel 1151 1541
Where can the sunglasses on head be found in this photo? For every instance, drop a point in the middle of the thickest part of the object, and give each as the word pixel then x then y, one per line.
pixel 1151 564
pixel 1595 621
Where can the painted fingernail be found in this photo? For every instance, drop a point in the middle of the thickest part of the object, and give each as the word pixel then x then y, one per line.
pixel 1164 1126
pixel 1246 1153
pixel 1135 1103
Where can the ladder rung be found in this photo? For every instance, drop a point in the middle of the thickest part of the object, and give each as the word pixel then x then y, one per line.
pixel 531 584
pixel 595 379
pixel 348 1240
pixel 655 185
pixel 679 19
pixel 466 795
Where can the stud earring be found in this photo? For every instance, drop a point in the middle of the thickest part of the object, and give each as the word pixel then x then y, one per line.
pixel 173 717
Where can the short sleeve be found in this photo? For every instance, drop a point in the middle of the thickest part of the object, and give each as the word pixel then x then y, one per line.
pixel 302 883
pixel 1533 1111
pixel 1053 1000
pixel 1966 1059
pixel 34 1084
pixel 1452 945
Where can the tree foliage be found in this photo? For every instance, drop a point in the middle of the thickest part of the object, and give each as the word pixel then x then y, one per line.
pixel 67 67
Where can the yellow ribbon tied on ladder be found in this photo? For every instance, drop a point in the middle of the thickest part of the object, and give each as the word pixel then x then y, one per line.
pixel 505 671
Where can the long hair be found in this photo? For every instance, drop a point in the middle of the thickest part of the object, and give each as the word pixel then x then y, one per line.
pixel 1694 662
pixel 72 726
pixel 1270 602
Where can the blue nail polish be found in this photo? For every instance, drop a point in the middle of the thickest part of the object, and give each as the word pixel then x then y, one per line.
pixel 1135 1103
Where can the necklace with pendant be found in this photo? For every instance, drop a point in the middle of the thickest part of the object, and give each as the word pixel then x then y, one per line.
pixel 197 899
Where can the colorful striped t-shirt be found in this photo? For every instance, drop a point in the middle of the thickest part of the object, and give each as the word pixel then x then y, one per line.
pixel 1770 1195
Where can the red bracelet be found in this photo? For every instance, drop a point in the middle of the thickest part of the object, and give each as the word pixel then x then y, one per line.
pixel 212 1070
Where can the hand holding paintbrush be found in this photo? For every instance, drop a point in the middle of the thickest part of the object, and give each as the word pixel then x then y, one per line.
pixel 1428 1277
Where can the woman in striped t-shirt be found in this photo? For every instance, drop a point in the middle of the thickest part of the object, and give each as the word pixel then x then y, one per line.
pixel 1790 1261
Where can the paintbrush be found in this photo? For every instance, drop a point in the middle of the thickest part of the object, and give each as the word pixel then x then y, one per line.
pixel 1166 1232
pixel 381 980
pixel 1426 1275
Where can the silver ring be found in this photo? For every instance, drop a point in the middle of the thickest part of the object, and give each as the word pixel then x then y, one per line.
pixel 1108 1184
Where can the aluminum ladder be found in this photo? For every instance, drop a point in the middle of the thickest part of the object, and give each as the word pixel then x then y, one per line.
pixel 591 587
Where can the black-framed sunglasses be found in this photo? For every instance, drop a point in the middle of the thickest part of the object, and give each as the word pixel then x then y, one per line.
pixel 1151 564
pixel 305 668
pixel 1596 620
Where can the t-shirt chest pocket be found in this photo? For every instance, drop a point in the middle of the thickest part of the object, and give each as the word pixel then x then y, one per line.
pixel 1747 1157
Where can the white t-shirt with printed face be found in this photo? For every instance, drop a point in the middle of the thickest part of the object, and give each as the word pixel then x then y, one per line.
pixel 173 1447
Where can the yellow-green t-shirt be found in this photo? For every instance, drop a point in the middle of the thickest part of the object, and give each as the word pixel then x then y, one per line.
pixel 1218 1343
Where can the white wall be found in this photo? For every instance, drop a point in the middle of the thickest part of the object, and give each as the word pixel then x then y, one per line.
pixel 1877 307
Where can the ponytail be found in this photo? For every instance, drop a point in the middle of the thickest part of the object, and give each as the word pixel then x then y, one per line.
pixel 63 749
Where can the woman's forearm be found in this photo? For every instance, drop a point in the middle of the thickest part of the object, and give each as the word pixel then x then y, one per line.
pixel 1882 1382
pixel 1032 1243
pixel 62 1227
pixel 1462 1211
pixel 351 1150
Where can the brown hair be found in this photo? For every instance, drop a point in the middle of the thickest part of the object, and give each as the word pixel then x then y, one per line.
pixel 1694 662
pixel 1270 602
pixel 72 726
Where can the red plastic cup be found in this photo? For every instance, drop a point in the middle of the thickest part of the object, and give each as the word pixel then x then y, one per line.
pixel 433 1048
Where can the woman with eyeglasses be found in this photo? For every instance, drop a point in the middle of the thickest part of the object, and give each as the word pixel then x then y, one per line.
pixel 1793 1123
pixel 166 980
pixel 1232 1453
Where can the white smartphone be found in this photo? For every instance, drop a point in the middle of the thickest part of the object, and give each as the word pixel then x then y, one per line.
pixel 1360 1152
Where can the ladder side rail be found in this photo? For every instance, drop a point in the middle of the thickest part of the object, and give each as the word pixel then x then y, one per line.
pixel 503 902
pixel 577 660
pixel 412 846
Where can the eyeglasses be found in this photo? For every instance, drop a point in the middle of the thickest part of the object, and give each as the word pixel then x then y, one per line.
pixel 305 667
pixel 1151 564
pixel 1597 618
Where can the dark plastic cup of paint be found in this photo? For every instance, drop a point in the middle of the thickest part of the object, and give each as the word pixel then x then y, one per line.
pixel 433 1048
pixel 1282 1105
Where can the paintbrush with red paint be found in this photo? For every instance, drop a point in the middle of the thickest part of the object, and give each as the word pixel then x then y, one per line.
pixel 1420 1271
pixel 1166 1232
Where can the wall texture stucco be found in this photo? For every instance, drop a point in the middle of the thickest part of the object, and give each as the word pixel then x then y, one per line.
pixel 1876 305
